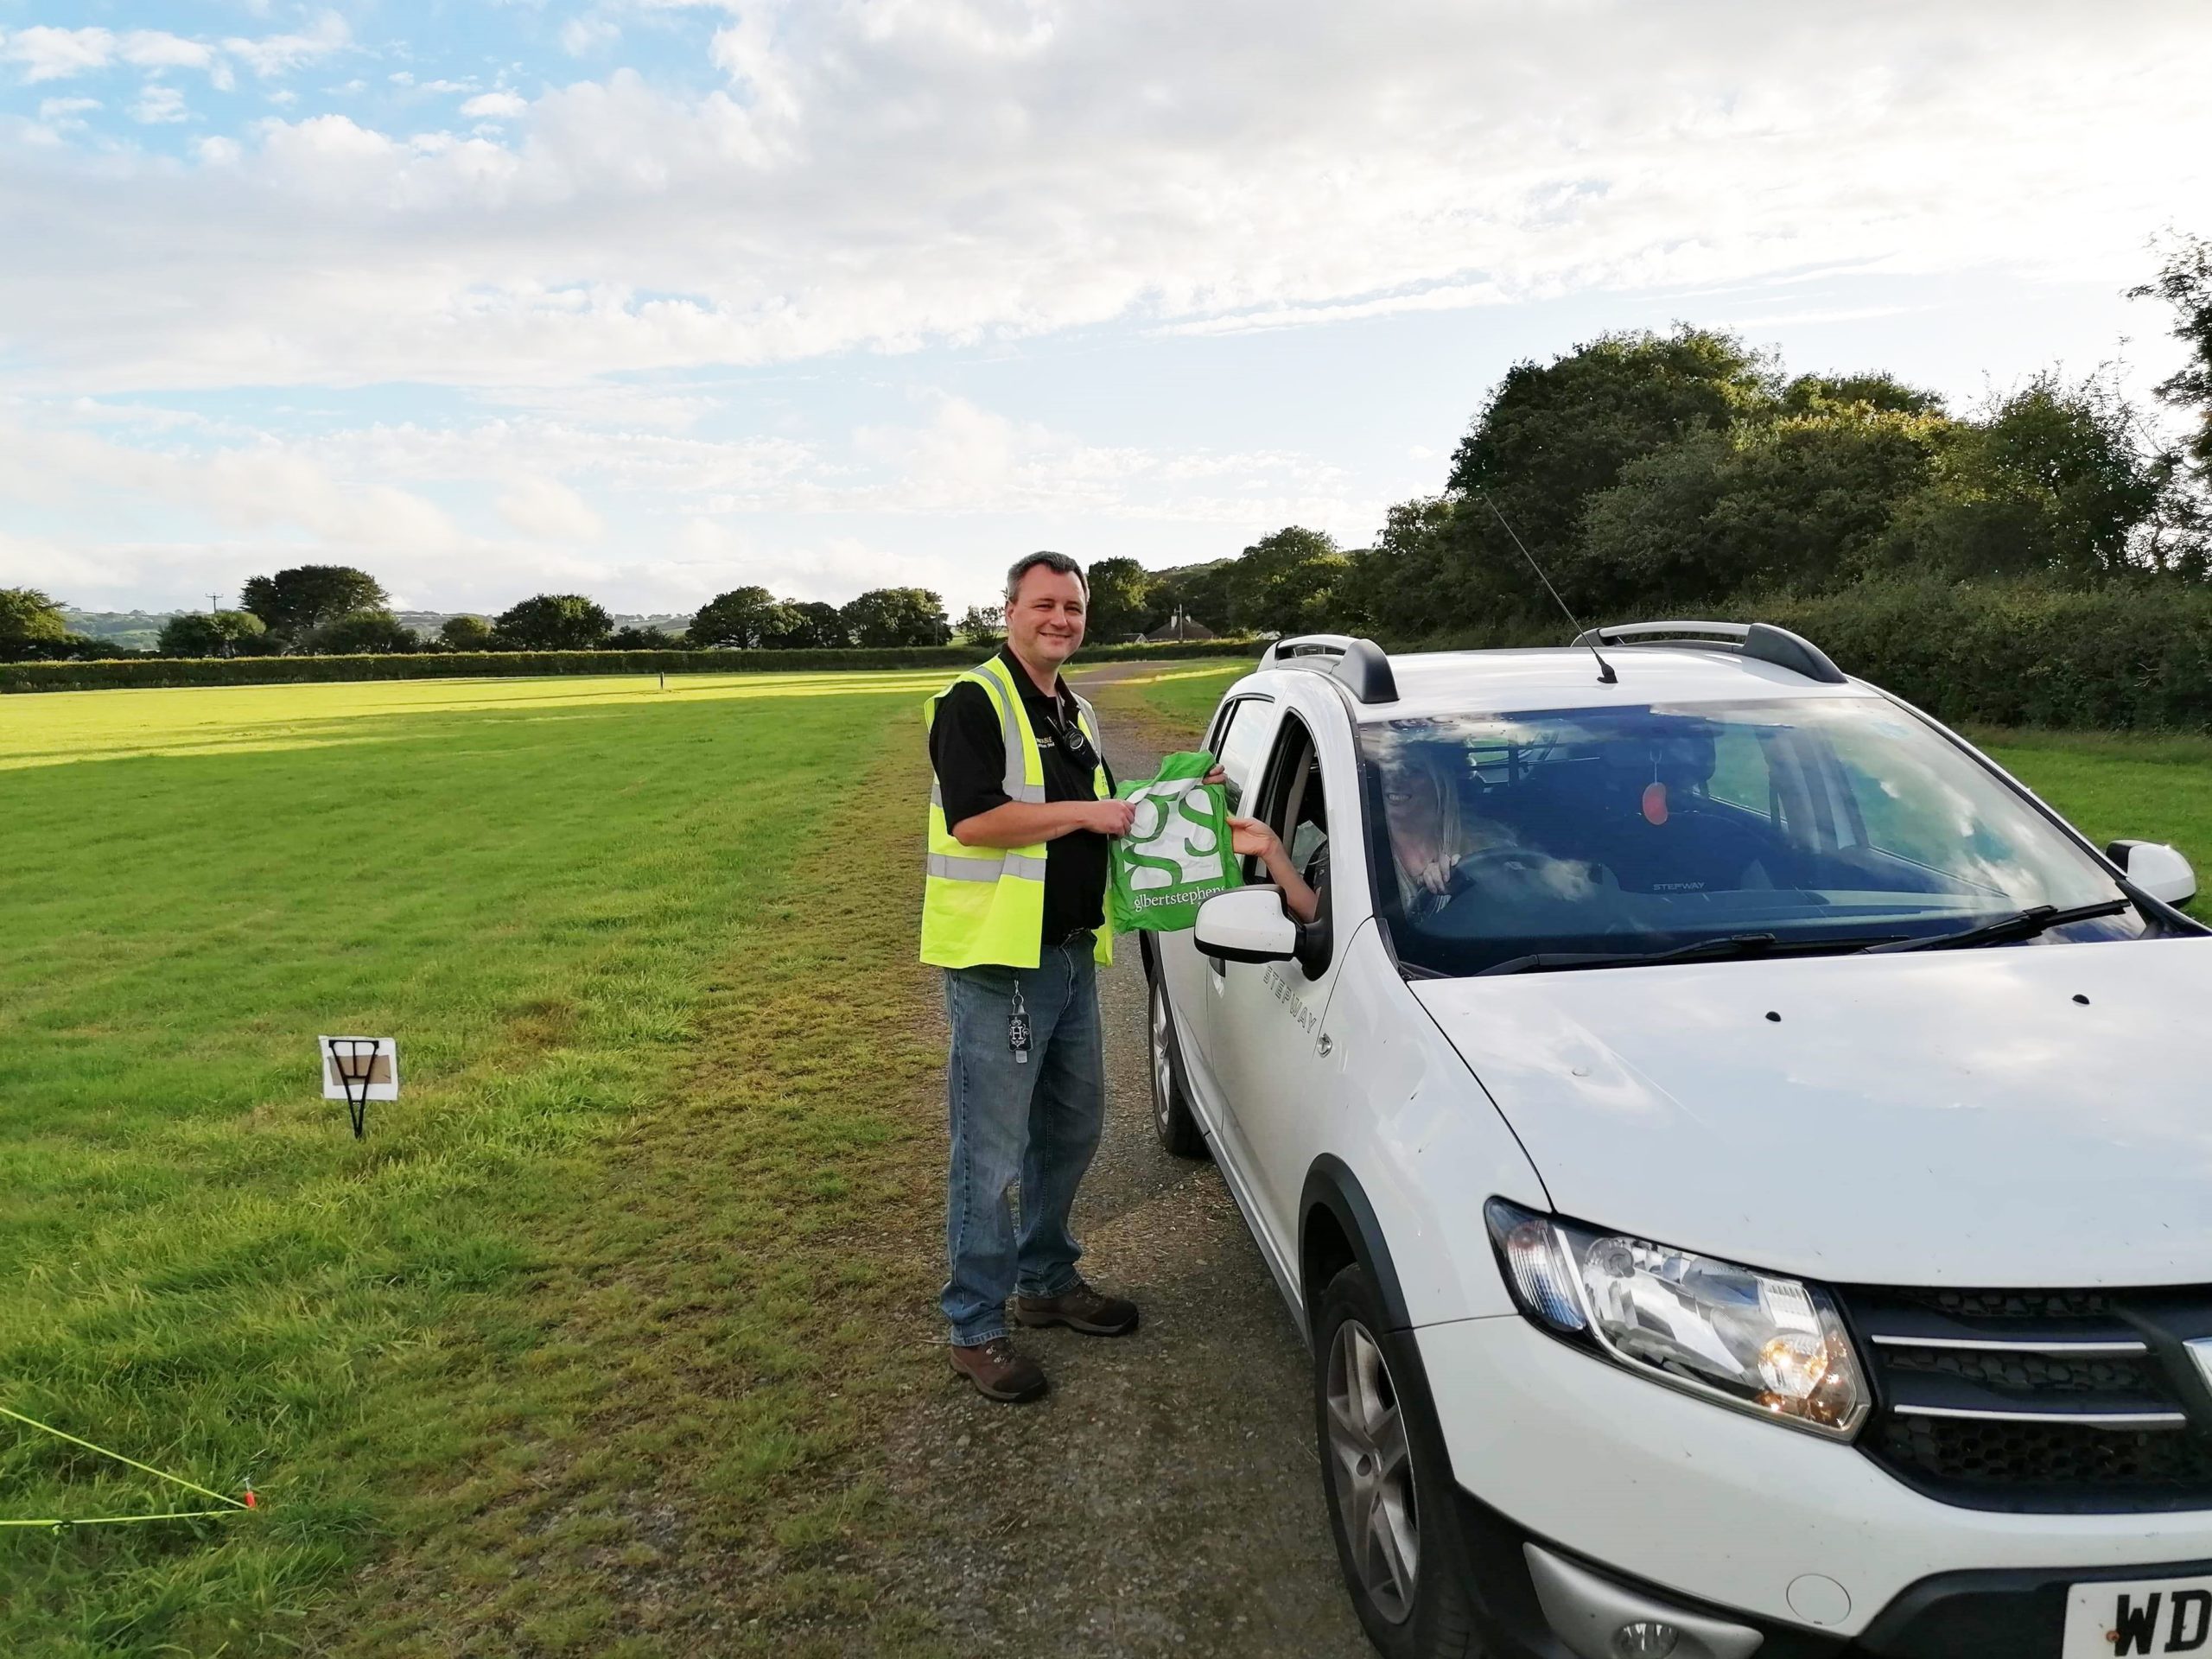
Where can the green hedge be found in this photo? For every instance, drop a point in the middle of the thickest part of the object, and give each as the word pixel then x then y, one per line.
pixel 2124 658
pixel 286 670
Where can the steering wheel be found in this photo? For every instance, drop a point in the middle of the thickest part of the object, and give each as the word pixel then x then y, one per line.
pixel 1472 867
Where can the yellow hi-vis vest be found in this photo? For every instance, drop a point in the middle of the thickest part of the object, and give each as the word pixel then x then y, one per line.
pixel 982 904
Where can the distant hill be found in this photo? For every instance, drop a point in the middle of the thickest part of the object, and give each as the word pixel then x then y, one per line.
pixel 132 630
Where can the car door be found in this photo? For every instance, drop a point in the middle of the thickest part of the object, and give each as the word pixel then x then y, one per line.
pixel 1242 728
pixel 1270 1036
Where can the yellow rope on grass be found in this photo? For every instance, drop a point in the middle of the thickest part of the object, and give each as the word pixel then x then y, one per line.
pixel 235 1505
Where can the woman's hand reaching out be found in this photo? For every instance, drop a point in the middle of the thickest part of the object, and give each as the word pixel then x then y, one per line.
pixel 1249 838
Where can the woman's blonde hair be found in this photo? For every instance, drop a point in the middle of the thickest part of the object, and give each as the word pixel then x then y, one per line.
pixel 1424 767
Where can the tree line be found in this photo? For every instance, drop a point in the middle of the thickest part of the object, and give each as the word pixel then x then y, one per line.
pixel 1653 473
pixel 336 610
pixel 1650 472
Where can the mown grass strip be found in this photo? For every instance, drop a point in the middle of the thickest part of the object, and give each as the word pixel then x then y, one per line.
pixel 545 1392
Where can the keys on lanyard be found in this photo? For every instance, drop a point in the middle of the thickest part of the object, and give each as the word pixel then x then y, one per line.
pixel 1017 1029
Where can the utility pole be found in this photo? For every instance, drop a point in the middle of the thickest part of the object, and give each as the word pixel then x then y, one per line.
pixel 212 598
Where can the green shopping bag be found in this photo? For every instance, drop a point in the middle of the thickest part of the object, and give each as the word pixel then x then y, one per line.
pixel 1176 854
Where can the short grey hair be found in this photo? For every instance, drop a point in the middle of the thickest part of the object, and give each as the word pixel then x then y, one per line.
pixel 1028 561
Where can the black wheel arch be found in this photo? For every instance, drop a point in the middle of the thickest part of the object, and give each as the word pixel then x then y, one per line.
pixel 1338 1229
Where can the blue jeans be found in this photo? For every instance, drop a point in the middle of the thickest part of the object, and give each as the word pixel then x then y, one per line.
pixel 1037 1123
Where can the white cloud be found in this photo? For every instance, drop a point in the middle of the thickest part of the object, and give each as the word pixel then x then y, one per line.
pixel 546 507
pixel 888 177
pixel 44 52
pixel 274 55
pixel 1446 296
pixel 158 104
pixel 581 37
pixel 63 115
pixel 495 106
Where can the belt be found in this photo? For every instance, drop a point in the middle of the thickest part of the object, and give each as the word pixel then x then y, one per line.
pixel 1070 938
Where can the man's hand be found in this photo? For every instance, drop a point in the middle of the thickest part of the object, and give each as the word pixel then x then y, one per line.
pixel 1109 818
pixel 1216 776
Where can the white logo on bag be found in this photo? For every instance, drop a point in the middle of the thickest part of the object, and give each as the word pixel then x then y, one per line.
pixel 1161 830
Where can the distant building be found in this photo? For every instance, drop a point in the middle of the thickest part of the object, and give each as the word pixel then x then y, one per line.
pixel 1179 627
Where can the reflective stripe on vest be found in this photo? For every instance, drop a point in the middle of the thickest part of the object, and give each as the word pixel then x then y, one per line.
pixel 981 904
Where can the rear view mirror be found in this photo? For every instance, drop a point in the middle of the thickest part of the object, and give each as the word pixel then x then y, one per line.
pixel 2159 869
pixel 1249 924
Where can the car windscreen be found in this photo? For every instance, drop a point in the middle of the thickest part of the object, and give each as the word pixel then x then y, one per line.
pixel 1820 822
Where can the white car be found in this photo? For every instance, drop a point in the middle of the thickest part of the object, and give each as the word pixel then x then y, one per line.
pixel 1740 1195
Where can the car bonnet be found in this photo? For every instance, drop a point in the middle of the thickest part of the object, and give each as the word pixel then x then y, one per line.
pixel 2012 1116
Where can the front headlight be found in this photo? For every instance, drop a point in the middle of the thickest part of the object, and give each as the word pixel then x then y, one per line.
pixel 1744 1338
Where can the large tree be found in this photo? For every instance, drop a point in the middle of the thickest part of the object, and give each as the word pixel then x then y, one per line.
pixel 294 603
pixel 1204 594
pixel 897 616
pixel 1282 582
pixel 365 633
pixel 2054 479
pixel 981 624
pixel 812 625
pixel 1122 594
pixel 1803 502
pixel 744 618
pixel 1554 434
pixel 212 634
pixel 30 625
pixel 465 633
pixel 553 622
pixel 2185 284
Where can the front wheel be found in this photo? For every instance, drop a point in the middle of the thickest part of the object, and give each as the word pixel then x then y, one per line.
pixel 1171 1119
pixel 1388 1480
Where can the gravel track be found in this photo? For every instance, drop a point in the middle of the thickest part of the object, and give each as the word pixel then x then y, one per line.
pixel 1165 1498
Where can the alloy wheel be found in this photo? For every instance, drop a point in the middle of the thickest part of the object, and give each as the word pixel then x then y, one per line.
pixel 1374 1484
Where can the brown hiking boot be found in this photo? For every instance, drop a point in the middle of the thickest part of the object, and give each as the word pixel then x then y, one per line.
pixel 999 1373
pixel 1080 1308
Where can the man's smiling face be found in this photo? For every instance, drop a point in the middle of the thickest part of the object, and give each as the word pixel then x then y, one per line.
pixel 1044 622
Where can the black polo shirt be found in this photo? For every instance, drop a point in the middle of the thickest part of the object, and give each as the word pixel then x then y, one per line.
pixel 968 751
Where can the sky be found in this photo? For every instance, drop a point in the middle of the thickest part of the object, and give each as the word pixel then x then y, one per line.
pixel 651 299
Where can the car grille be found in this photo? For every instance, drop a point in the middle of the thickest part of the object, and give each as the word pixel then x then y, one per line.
pixel 2038 1400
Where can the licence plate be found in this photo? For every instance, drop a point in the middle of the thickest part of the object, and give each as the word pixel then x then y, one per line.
pixel 2152 1615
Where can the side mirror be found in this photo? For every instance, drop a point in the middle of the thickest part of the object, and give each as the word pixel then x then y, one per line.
pixel 1247 925
pixel 2157 868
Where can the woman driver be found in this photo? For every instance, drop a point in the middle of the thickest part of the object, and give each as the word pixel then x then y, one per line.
pixel 1427 840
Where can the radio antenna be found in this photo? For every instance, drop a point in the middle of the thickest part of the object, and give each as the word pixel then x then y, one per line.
pixel 1606 674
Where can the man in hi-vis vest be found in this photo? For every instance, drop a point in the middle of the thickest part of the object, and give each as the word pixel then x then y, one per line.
pixel 1012 910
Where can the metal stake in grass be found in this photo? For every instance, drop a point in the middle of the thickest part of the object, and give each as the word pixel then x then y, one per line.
pixel 357 1070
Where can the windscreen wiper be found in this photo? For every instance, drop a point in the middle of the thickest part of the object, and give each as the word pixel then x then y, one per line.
pixel 1736 944
pixel 1722 950
pixel 2020 924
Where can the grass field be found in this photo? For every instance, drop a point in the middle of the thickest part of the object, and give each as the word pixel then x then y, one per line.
pixel 583 1350
pixel 562 1320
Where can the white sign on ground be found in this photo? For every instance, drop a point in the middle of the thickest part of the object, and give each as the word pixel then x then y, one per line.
pixel 356 1061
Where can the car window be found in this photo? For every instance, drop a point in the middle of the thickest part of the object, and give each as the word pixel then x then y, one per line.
pixel 1641 828
pixel 1292 802
pixel 1239 741
pixel 1739 771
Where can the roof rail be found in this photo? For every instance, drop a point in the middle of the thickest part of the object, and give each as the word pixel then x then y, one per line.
pixel 1359 663
pixel 1761 641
